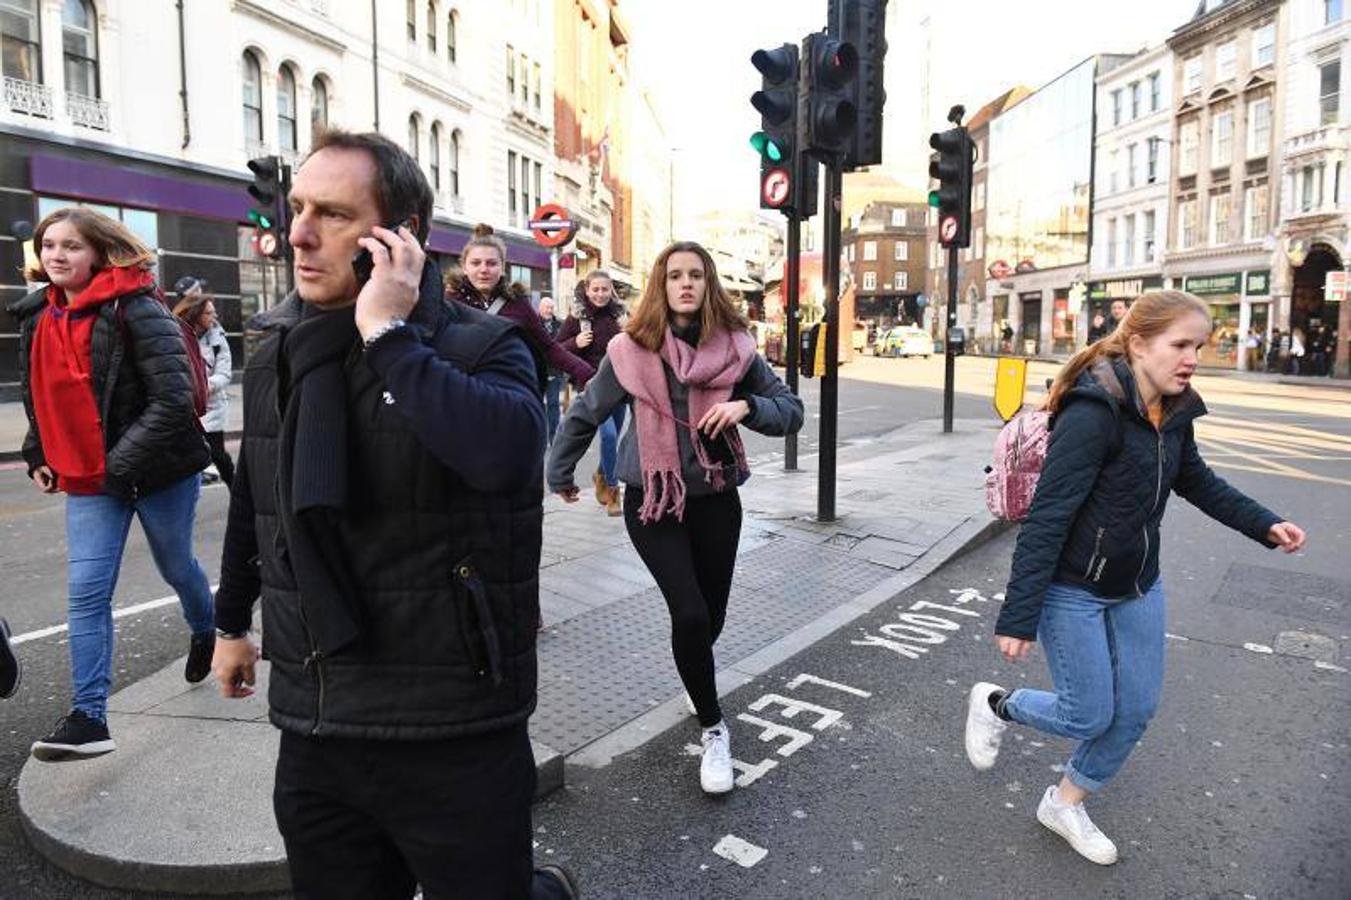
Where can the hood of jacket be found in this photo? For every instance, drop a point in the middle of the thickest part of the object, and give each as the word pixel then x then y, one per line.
pixel 1111 381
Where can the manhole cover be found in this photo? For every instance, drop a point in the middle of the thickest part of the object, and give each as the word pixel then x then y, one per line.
pixel 1307 645
pixel 1303 596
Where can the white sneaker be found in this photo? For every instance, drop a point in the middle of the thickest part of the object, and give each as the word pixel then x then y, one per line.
pixel 715 771
pixel 1073 824
pixel 984 730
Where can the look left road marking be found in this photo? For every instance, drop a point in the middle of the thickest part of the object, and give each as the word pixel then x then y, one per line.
pixel 117 614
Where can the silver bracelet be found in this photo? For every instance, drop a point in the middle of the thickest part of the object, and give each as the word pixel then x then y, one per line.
pixel 382 331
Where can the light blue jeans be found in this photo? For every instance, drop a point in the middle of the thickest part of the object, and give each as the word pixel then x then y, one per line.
pixel 96 535
pixel 1106 660
pixel 553 411
pixel 609 445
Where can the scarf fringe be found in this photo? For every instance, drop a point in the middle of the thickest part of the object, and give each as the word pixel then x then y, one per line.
pixel 663 492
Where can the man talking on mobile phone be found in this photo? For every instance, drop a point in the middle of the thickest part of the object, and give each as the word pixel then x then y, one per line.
pixel 387 510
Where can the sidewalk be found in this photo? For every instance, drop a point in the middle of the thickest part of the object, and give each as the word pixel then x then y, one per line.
pixel 184 805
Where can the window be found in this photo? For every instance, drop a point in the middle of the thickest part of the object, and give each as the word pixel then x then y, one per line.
pixel 978 242
pixel 1332 11
pixel 1154 95
pixel 898 221
pixel 1112 171
pixel 1226 60
pixel 1130 165
pixel 901 251
pixel 1264 45
pixel 1259 128
pixel 1222 139
pixel 1128 245
pixel 1191 75
pixel 1329 92
pixel 1148 229
pixel 318 106
pixel 1311 193
pixel 1135 100
pixel 869 251
pixel 1255 213
pixel 434 156
pixel 1337 184
pixel 511 72
pixel 900 281
pixel 1219 219
pixel 19 46
pixel 1116 107
pixel 539 181
pixel 525 80
pixel 870 281
pixel 414 137
pixel 412 20
pixel 453 163
pixel 1152 174
pixel 851 252
pixel 451 23
pixel 511 187
pixel 526 208
pixel 431 26
pixel 1111 243
pixel 253 98
pixel 1186 224
pixel 535 85
pixel 80 43
pixel 1190 138
pixel 286 109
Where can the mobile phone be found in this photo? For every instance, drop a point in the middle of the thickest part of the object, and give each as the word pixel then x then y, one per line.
pixel 362 264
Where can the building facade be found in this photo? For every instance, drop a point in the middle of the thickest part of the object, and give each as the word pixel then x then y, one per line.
pixel 160 140
pixel 884 253
pixel 1130 201
pixel 1224 193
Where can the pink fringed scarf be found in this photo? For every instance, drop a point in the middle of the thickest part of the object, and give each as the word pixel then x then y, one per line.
pixel 710 371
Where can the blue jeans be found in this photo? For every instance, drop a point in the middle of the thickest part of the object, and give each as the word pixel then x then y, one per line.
pixel 553 410
pixel 609 445
pixel 96 535
pixel 1106 660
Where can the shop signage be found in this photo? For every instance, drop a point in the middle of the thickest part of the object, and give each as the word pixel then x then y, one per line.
pixel 1259 283
pixel 1026 265
pixel 1335 287
pixel 1123 288
pixel 1203 285
pixel 999 270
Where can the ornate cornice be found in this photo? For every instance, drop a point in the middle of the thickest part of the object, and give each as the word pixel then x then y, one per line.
pixel 431 90
pixel 258 11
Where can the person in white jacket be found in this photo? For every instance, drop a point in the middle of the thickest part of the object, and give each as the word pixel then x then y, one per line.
pixel 195 306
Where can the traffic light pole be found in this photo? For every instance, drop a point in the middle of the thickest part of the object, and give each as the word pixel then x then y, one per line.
pixel 792 332
pixel 950 360
pixel 830 384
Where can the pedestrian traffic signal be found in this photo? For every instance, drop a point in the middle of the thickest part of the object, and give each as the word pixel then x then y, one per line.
pixel 951 166
pixel 831 119
pixel 786 182
pixel 861 25
pixel 269 196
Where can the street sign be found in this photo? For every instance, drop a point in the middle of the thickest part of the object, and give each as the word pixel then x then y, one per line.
pixel 999 270
pixel 1010 386
pixel 948 229
pixel 552 226
pixel 775 187
pixel 267 243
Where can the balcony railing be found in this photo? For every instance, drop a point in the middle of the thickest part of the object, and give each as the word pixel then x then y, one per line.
pixel 28 97
pixel 1328 137
pixel 88 112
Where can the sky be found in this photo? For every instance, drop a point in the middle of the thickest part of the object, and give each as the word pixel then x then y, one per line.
pixel 694 56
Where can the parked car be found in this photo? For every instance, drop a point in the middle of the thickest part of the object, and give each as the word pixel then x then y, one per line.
pixel 904 340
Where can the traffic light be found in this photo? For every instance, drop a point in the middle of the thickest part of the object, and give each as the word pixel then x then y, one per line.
pixel 951 166
pixel 267 216
pixel 863 27
pixel 826 100
pixel 787 182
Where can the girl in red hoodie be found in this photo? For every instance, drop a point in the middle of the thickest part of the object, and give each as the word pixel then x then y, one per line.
pixel 107 387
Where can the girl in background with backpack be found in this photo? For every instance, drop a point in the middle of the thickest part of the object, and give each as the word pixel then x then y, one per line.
pixel 107 387
pixel 198 308
pixel 1085 578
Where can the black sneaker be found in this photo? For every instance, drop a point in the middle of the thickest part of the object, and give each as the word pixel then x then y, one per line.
pixel 11 670
pixel 76 737
pixel 199 657
pixel 553 882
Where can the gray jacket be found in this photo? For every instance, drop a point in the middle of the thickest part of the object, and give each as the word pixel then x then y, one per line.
pixel 775 411
pixel 216 353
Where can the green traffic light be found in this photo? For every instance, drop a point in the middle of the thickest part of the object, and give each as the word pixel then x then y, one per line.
pixel 259 219
pixel 766 147
pixel 934 199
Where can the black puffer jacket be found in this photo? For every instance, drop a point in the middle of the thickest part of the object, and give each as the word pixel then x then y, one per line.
pixel 1095 519
pixel 143 389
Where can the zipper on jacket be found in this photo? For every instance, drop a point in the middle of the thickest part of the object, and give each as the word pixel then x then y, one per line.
pixel 1097 546
pixel 1158 489
pixel 315 662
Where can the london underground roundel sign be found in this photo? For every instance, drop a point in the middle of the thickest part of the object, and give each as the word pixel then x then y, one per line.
pixel 552 226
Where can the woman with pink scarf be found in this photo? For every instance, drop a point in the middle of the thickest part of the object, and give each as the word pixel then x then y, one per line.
pixel 687 366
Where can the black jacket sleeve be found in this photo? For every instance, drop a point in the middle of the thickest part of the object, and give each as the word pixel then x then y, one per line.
pixel 239 578
pixel 1083 437
pixel 486 425
pixel 775 410
pixel 1198 484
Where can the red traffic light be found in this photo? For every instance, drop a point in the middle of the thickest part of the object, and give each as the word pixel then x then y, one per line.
pixel 836 63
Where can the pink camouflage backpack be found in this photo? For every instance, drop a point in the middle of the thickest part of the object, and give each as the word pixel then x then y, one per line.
pixel 1019 452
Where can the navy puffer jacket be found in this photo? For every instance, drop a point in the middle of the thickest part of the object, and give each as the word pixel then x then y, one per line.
pixel 1095 518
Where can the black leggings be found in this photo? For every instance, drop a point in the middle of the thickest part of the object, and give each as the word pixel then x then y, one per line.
pixel 224 465
pixel 692 562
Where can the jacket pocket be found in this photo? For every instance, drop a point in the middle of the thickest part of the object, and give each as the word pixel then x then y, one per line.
pixel 1097 560
pixel 478 630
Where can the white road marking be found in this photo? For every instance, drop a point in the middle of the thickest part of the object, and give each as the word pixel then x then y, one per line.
pixel 741 852
pixel 117 614
pixel 1258 648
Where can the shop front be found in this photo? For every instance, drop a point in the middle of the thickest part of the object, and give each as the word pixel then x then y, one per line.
pixel 1223 293
pixel 1102 293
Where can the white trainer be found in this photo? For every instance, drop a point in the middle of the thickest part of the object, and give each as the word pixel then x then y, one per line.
pixel 984 730
pixel 1073 824
pixel 715 771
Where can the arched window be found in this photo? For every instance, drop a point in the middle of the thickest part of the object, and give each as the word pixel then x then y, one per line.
pixel 286 109
pixel 79 38
pixel 318 105
pixel 452 23
pixel 434 156
pixel 453 163
pixel 414 137
pixel 253 98
pixel 431 26
pixel 21 49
